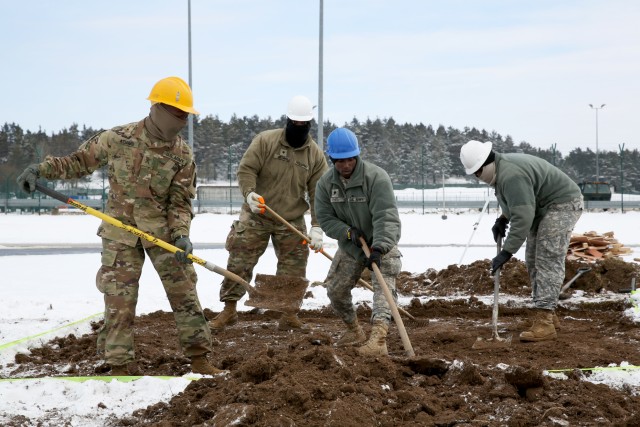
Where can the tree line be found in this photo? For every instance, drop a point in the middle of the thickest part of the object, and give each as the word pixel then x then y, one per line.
pixel 413 154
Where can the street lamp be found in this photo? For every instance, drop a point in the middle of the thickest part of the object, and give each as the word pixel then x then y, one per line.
pixel 597 163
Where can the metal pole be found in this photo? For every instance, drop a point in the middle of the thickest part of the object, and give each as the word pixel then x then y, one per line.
pixel 320 94
pixel 230 184
pixel 553 150
pixel 423 180
pixel 597 151
pixel 621 178
pixel 190 121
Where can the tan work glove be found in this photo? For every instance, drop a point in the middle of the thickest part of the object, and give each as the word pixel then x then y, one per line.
pixel 316 239
pixel 256 203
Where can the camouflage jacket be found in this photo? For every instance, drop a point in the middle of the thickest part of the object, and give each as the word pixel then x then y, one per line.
pixel 151 182
pixel 281 174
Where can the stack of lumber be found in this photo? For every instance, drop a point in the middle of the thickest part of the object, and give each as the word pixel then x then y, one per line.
pixel 592 246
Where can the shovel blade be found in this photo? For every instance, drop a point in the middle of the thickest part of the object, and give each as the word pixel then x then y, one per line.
pixel 278 293
pixel 494 342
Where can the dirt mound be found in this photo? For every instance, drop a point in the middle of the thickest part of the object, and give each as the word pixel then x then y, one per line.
pixel 279 378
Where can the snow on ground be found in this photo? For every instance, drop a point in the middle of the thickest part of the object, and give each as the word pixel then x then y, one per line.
pixel 54 295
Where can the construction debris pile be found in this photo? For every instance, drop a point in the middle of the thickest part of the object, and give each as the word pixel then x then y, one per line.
pixel 592 246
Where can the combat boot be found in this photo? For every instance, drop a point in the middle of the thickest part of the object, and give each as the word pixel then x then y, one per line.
pixel 227 317
pixel 542 328
pixel 200 365
pixel 556 321
pixel 377 343
pixel 353 336
pixel 290 321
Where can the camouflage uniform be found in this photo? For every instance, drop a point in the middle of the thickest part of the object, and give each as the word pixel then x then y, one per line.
pixel 151 185
pixel 284 176
pixel 365 201
pixel 546 250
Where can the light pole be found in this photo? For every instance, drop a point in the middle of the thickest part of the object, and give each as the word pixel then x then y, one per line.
pixel 597 163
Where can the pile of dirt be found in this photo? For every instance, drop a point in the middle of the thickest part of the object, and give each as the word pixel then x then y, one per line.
pixel 289 378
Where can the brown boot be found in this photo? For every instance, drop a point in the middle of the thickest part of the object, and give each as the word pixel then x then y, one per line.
pixel 227 317
pixel 377 343
pixel 200 365
pixel 542 328
pixel 354 335
pixel 128 369
pixel 556 321
pixel 290 321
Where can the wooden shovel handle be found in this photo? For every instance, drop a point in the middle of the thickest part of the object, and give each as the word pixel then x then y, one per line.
pixel 307 239
pixel 392 304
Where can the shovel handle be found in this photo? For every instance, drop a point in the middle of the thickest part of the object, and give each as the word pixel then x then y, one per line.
pixel 159 242
pixel 406 343
pixel 307 239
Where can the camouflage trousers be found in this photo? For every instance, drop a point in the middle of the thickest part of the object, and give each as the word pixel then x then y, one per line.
pixel 248 239
pixel 118 280
pixel 343 276
pixel 546 252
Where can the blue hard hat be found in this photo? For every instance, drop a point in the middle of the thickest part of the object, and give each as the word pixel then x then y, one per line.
pixel 342 144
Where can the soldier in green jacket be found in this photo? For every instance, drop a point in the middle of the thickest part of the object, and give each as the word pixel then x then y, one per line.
pixel 542 205
pixel 152 177
pixel 355 199
pixel 280 169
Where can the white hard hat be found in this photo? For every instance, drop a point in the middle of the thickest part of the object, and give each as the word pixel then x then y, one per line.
pixel 473 154
pixel 300 109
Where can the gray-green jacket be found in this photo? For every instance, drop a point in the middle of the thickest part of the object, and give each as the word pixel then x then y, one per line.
pixel 281 174
pixel 367 203
pixel 526 186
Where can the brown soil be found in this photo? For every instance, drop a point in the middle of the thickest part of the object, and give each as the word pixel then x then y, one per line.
pixel 286 378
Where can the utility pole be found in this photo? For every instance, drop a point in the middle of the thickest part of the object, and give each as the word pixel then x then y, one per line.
pixel 621 147
pixel 320 88
pixel 597 151
pixel 190 120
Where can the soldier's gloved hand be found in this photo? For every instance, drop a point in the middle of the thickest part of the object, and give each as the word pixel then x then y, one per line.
pixel 374 258
pixel 256 203
pixel 27 179
pixel 354 235
pixel 316 238
pixel 184 243
pixel 499 229
pixel 499 260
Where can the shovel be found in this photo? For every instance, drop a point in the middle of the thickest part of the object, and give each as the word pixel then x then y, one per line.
pixel 495 341
pixel 283 294
pixel 563 290
pixel 362 282
pixel 408 348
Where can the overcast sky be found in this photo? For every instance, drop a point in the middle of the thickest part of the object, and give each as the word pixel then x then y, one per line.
pixel 528 69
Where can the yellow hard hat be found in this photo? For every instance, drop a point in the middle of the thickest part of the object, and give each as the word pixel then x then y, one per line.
pixel 175 92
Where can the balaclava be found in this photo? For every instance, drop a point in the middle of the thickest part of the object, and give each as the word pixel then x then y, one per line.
pixel 296 135
pixel 163 125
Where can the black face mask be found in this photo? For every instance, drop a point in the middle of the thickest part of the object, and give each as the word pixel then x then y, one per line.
pixel 296 135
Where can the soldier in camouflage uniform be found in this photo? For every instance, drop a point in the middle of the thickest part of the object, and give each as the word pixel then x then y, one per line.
pixel 280 168
pixel 542 204
pixel 152 177
pixel 355 199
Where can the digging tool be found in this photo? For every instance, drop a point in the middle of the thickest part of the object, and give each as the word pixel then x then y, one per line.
pixel 364 283
pixel 579 272
pixel 495 341
pixel 475 227
pixel 392 304
pixel 268 297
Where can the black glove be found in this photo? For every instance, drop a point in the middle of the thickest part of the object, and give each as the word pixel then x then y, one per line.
pixel 184 243
pixel 354 235
pixel 374 258
pixel 499 229
pixel 27 179
pixel 499 260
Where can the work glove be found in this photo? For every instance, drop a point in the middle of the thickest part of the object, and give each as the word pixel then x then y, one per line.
pixel 499 260
pixel 316 238
pixel 354 235
pixel 499 229
pixel 256 203
pixel 374 258
pixel 184 243
pixel 27 179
